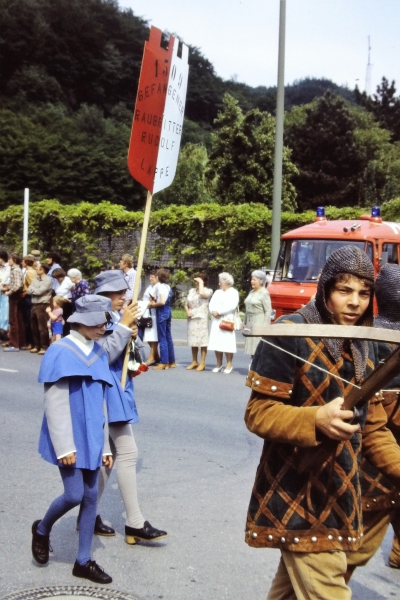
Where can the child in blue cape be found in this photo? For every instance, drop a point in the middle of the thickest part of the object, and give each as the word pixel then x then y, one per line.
pixel 75 374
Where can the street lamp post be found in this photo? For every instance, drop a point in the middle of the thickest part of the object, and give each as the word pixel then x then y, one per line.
pixel 26 223
pixel 280 109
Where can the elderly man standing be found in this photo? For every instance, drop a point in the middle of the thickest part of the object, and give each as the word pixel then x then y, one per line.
pixel 25 305
pixel 53 260
pixel 40 291
pixel 126 265
pixel 14 292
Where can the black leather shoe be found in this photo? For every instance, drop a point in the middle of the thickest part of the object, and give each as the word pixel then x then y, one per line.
pixel 40 545
pixel 91 570
pixel 101 528
pixel 147 533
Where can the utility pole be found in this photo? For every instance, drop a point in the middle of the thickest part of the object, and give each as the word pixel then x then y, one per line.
pixel 280 109
pixel 26 223
pixel 369 71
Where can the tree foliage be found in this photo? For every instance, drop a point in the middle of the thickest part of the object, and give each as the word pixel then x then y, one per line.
pixel 69 158
pixel 189 185
pixel 69 71
pixel 344 156
pixel 384 105
pixel 381 158
pixel 242 157
pixel 325 150
pixel 391 210
pixel 89 49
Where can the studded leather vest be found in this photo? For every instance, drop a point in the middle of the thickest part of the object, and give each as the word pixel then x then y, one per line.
pixel 316 510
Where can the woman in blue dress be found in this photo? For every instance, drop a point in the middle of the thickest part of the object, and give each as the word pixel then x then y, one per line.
pixel 4 278
pixel 164 317
pixel 81 286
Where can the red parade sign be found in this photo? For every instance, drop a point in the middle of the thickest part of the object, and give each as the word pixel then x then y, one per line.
pixel 158 115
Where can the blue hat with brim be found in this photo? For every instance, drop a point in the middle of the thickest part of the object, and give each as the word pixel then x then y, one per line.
pixel 91 310
pixel 110 281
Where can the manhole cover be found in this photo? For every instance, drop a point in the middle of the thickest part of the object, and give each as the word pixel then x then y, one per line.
pixel 69 592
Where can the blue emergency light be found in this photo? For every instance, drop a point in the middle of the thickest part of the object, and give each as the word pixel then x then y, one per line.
pixel 320 214
pixel 376 211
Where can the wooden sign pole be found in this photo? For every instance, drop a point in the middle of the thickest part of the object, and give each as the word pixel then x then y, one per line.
pixel 156 129
pixel 142 249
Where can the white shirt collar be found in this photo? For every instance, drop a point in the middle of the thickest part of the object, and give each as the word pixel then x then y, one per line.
pixel 116 316
pixel 85 345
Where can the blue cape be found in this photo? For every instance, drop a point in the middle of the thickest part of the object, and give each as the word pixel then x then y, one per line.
pixel 88 376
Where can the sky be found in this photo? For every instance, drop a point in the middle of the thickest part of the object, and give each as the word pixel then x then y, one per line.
pixel 324 38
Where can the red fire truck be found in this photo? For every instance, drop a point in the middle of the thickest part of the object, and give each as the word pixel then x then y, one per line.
pixel 305 250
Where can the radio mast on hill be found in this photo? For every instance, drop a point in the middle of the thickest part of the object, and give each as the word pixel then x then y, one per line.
pixel 369 70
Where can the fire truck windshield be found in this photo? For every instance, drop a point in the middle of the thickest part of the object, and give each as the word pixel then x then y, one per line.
pixel 302 259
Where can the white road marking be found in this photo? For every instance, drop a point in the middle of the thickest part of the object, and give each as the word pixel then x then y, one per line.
pixel 9 370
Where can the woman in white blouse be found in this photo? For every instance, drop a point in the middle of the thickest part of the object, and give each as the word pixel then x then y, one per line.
pixel 223 305
pixel 150 333
pixel 64 289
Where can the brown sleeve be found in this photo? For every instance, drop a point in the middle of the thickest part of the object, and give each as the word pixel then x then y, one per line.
pixel 391 404
pixel 279 422
pixel 379 444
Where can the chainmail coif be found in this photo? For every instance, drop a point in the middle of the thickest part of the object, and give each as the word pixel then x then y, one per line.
pixel 351 260
pixel 387 290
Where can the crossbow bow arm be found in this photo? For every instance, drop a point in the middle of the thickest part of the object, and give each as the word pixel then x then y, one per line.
pixel 372 334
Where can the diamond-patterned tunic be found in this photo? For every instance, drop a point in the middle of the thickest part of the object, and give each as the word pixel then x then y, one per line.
pixel 320 508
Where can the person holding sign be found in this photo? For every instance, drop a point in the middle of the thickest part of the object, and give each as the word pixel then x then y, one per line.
pixel 122 327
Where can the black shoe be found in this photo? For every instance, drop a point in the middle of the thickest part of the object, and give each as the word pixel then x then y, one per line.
pixel 40 545
pixel 147 533
pixel 101 528
pixel 92 571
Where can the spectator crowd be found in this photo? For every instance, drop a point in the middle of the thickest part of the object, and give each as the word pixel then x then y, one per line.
pixel 37 297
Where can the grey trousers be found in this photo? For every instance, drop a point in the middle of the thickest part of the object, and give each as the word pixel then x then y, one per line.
pixel 123 447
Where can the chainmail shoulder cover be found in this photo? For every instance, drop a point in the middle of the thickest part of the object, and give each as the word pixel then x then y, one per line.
pixel 387 290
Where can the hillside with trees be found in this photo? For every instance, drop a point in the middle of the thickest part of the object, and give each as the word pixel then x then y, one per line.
pixel 69 71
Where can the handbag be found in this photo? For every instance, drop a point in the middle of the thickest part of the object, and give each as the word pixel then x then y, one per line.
pixel 226 325
pixel 145 322
pixel 238 323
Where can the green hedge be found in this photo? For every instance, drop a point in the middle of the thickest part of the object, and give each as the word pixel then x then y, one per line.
pixel 233 238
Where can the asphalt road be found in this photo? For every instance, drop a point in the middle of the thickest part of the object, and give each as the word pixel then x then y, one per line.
pixel 196 467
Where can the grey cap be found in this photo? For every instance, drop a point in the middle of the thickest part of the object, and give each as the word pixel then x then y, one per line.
pixel 110 281
pixel 91 310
